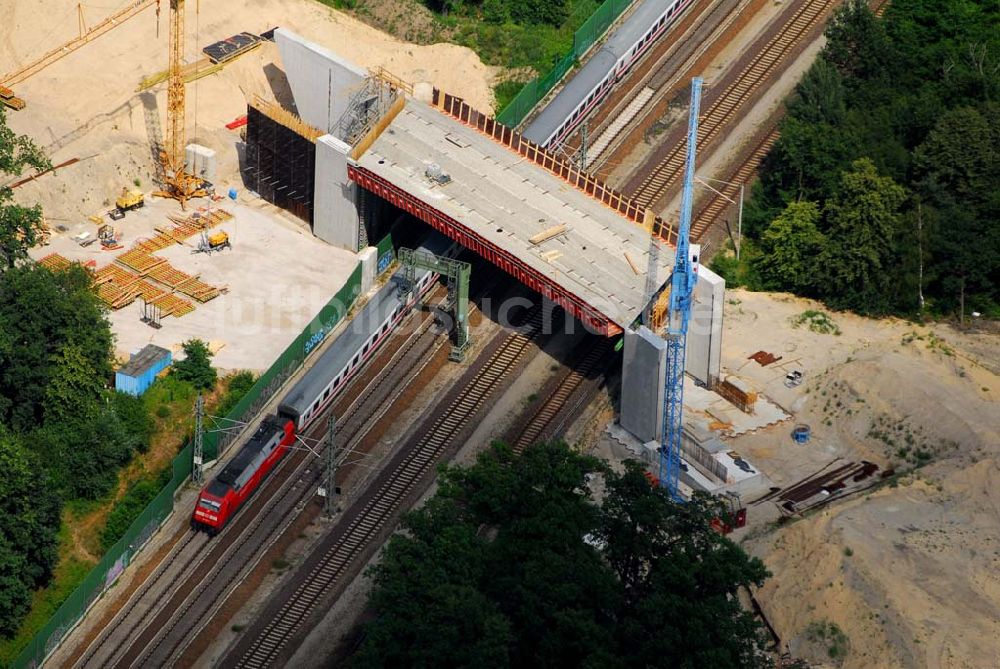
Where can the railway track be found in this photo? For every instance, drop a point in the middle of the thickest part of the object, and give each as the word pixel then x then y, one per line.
pixel 202 603
pixel 658 77
pixel 543 421
pixel 742 173
pixel 674 46
pixel 375 514
pixel 154 634
pixel 770 55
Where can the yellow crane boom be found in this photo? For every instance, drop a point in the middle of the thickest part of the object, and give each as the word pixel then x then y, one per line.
pixel 179 184
pixel 86 36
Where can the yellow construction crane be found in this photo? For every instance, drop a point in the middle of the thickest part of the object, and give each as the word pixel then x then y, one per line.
pixel 178 183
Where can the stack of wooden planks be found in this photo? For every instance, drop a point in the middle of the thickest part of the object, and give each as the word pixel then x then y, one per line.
pixel 122 282
pixel 170 276
pixel 54 261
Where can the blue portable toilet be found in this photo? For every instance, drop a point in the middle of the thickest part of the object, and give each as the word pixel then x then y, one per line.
pixel 232 194
pixel 140 371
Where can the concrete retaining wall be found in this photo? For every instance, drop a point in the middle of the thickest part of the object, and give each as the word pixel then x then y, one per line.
pixel 322 82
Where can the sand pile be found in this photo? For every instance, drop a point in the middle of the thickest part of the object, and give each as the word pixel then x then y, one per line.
pixel 86 105
pixel 907 573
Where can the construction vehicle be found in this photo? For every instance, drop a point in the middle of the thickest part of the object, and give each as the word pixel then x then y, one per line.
pixel 129 200
pixel 217 241
pixel 109 238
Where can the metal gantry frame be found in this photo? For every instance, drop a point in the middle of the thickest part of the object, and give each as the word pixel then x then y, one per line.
pixel 457 272
pixel 681 290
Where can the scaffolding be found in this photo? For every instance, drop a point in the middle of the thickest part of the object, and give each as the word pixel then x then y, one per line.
pixel 281 158
pixel 370 104
pixel 457 273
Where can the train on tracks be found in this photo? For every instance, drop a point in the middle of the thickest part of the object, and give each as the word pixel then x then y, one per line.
pixel 228 491
pixel 603 70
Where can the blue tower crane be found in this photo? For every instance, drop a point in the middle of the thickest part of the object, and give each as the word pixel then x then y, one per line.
pixel 681 289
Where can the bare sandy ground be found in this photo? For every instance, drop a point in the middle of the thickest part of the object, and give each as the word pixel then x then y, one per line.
pixel 86 105
pixel 909 572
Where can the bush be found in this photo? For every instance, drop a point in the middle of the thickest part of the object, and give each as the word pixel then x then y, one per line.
pixel 240 384
pixel 196 367
pixel 817 321
pixel 127 509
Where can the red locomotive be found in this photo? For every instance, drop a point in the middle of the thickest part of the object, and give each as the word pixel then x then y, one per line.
pixel 227 492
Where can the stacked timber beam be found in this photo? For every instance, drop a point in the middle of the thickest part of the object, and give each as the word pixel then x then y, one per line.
pixel 8 98
pixel 120 283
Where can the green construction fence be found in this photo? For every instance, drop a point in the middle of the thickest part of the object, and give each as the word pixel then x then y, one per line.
pixel 142 528
pixel 585 36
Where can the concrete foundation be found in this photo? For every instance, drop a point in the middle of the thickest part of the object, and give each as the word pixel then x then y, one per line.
pixel 335 214
pixel 643 369
pixel 322 83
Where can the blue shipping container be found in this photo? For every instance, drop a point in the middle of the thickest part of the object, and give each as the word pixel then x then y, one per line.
pixel 139 373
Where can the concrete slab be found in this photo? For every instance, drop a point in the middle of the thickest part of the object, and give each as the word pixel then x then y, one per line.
pixel 600 257
pixel 277 275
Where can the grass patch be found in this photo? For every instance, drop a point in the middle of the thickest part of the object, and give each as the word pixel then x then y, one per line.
pixel 830 635
pixel 816 321
pixel 737 273
pixel 90 526
pixel 506 91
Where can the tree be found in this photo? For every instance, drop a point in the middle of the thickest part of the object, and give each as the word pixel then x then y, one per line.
pixel 856 42
pixel 862 221
pixel 19 226
pixel 15 596
pixel 29 522
pixel 958 169
pixel 196 367
pixel 41 313
pixel 73 384
pixel 512 563
pixel 790 247
pixel 680 579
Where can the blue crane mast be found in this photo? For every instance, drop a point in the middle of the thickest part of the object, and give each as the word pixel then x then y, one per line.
pixel 681 289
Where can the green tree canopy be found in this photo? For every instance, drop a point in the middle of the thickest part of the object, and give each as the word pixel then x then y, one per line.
pixel 196 367
pixel 41 314
pixel 790 249
pixel 19 225
pixel 916 93
pixel 862 222
pixel 29 520
pixel 513 563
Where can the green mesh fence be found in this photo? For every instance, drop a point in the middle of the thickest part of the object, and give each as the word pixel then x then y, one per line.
pixel 108 569
pixel 142 528
pixel 536 89
pixel 287 363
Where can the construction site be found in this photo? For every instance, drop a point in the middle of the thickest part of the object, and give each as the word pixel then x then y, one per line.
pixel 262 187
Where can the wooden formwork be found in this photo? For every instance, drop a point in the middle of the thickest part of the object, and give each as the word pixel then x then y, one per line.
pixel 184 283
pixel 121 283
pixel 140 260
pixel 54 261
